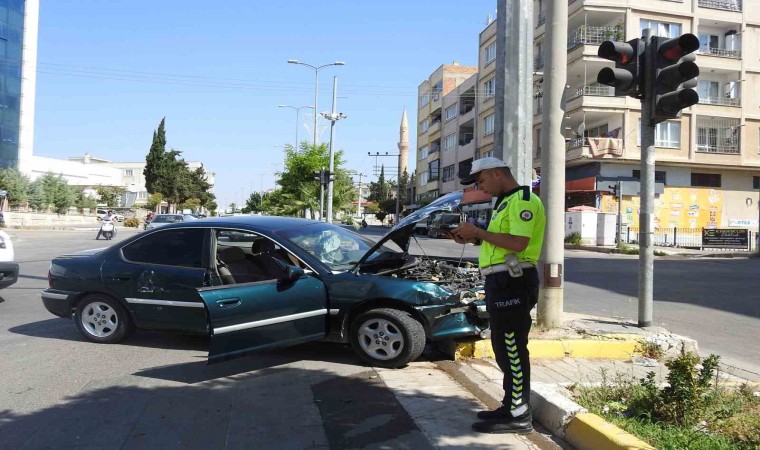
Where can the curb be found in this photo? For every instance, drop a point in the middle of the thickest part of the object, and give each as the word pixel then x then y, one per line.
pixel 557 413
pixel 619 349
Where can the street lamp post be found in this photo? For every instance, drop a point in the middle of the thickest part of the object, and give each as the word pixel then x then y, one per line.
pixel 298 110
pixel 316 88
pixel 332 117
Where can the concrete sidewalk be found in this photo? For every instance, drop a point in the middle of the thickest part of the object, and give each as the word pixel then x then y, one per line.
pixel 587 351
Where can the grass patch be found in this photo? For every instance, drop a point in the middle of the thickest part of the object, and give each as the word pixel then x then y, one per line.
pixel 628 250
pixel 573 238
pixel 691 413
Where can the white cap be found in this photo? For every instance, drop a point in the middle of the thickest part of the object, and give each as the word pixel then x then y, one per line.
pixel 480 165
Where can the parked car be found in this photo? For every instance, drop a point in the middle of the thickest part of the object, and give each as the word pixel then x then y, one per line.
pixel 443 222
pixel 165 219
pixel 8 266
pixel 261 282
pixel 102 212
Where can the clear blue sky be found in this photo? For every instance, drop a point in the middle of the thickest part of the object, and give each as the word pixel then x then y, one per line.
pixel 110 70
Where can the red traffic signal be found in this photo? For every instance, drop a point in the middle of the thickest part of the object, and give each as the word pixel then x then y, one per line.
pixel 671 64
pixel 625 77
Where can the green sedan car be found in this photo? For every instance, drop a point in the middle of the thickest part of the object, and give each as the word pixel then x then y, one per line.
pixel 259 282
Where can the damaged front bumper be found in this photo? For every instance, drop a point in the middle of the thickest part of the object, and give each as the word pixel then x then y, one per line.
pixel 456 322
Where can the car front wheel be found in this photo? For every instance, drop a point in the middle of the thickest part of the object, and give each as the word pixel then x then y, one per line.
pixel 387 337
pixel 102 319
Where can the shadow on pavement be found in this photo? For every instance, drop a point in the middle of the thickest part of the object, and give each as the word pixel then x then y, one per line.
pixel 288 407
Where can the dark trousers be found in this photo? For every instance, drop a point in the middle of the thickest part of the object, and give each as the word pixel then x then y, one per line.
pixel 509 303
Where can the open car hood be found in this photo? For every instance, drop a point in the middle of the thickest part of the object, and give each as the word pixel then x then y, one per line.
pixel 402 231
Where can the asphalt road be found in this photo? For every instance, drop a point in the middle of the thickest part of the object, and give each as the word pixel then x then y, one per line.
pixel 155 390
pixel 713 300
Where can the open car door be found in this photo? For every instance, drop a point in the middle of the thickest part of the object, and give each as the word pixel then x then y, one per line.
pixel 248 317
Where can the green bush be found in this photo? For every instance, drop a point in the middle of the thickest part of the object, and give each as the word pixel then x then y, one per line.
pixel 573 238
pixel 690 413
pixel 132 222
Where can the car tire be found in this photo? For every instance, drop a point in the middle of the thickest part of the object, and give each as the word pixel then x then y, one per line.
pixel 103 320
pixel 387 337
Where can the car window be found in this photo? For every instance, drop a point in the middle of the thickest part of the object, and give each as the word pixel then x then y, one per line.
pixel 336 247
pixel 181 247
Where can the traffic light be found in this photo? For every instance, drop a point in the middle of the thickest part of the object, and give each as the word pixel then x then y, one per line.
pixel 319 175
pixel 613 190
pixel 673 70
pixel 626 76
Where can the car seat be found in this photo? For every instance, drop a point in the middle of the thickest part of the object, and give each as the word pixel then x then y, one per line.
pixel 266 258
pixel 241 270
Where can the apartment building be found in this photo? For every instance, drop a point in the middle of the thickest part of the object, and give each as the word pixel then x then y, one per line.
pixel 439 125
pixel 707 161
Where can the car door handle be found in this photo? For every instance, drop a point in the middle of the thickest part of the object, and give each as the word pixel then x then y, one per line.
pixel 228 302
pixel 122 277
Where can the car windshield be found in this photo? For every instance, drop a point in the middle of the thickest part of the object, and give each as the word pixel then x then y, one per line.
pixel 338 248
pixel 167 219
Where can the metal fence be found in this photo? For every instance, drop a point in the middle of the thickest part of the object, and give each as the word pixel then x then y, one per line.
pixel 731 5
pixel 682 238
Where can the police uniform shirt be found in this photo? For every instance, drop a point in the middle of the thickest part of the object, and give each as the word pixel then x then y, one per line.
pixel 519 212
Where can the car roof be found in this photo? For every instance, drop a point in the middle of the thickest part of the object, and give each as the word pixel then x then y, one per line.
pixel 266 222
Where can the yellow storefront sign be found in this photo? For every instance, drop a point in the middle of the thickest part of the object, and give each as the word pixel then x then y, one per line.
pixel 676 207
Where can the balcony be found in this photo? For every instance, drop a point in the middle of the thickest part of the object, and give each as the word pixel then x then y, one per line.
pixel 718 135
pixel 729 5
pixel 722 101
pixel 541 19
pixel 591 35
pixel 720 52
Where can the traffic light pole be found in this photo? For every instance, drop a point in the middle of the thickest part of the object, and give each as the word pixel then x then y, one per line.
pixel 321 194
pixel 620 214
pixel 646 215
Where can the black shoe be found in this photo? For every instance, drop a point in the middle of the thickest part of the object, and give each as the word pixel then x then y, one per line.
pixel 500 412
pixel 522 424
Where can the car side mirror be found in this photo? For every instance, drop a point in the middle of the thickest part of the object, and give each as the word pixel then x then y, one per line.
pixel 292 273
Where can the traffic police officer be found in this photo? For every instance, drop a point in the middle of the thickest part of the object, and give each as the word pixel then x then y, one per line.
pixel 510 247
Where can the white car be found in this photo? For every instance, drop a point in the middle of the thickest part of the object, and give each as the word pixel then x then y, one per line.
pixel 8 268
pixel 102 212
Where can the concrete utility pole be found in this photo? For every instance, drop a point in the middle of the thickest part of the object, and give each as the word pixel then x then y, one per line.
pixel 359 202
pixel 321 193
pixel 332 117
pixel 552 293
pixel 646 216
pixel 513 120
pixel 619 191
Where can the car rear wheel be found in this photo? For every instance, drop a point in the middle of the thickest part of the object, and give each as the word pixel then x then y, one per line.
pixel 387 337
pixel 102 319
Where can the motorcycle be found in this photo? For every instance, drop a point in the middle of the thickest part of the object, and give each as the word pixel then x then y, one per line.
pixel 107 230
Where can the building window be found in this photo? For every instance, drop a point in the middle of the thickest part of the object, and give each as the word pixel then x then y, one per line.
pixel 598 131
pixel 449 142
pixel 450 112
pixel 437 90
pixel 489 87
pixel 488 125
pixel 718 135
pixel 705 179
pixel 487 154
pixel 659 176
pixel 127 172
pixel 448 173
pixel 424 178
pixel 424 99
pixel 424 152
pixel 433 170
pixel 755 182
pixel 424 125
pixel 142 195
pixel 666 134
pixel 661 28
pixel 491 53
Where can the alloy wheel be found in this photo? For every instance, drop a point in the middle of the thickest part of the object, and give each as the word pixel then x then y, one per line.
pixel 99 319
pixel 381 339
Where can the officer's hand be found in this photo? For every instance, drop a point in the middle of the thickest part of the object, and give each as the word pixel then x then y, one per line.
pixel 466 232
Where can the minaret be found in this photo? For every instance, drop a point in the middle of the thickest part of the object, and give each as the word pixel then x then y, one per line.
pixel 403 144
